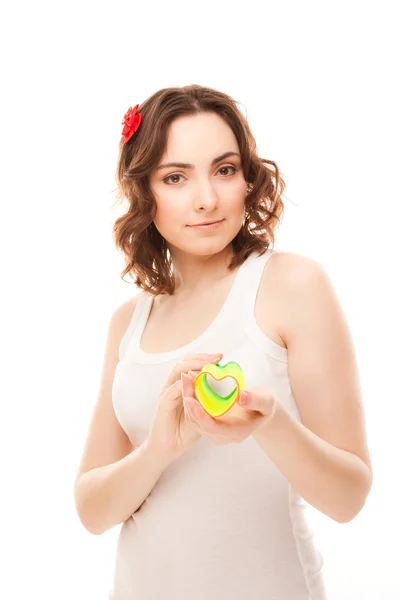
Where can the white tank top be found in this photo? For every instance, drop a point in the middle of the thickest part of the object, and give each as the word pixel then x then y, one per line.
pixel 222 522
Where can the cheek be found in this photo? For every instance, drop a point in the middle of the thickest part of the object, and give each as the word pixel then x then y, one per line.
pixel 236 196
pixel 169 214
pixel 236 204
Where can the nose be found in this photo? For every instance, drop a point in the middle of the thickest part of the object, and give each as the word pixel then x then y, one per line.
pixel 205 196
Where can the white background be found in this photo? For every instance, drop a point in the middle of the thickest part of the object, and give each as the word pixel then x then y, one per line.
pixel 319 83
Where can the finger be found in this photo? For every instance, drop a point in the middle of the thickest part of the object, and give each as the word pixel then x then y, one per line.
pixel 187 365
pixel 187 386
pixel 230 431
pixel 208 423
pixel 171 397
pixel 264 403
pixel 189 416
pixel 197 364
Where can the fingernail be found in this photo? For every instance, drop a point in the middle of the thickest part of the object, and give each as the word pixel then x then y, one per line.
pixel 244 398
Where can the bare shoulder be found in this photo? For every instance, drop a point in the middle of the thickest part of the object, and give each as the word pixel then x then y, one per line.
pixel 289 268
pixel 126 308
pixel 323 367
pixel 289 273
pixel 305 294
pixel 122 314
pixel 286 282
pixel 104 424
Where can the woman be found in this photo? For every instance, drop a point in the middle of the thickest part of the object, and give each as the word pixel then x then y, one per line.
pixel 215 508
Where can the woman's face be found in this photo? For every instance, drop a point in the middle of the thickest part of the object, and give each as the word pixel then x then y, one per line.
pixel 201 190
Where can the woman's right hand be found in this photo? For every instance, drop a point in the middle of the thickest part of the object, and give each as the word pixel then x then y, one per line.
pixel 171 433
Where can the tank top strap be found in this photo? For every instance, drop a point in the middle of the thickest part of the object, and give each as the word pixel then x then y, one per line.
pixel 244 300
pixel 136 323
pixel 237 309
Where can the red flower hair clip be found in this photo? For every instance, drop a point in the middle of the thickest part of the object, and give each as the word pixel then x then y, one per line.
pixel 131 122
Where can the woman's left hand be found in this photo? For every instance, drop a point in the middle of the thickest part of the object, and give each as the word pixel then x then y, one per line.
pixel 259 406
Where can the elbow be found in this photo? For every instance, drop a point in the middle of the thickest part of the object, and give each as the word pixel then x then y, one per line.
pixel 353 509
pixel 95 531
pixel 348 516
pixel 89 527
pixel 85 514
pixel 348 513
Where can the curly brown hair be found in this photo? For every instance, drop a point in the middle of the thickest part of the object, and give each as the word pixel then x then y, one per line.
pixel 134 233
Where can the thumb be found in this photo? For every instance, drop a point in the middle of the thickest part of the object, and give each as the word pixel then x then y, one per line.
pixel 259 399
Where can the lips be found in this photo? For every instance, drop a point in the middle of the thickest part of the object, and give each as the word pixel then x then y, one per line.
pixel 206 223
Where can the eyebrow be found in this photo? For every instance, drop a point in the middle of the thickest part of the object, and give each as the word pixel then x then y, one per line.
pixel 189 166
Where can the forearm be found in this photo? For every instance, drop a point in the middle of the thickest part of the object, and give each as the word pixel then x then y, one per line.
pixel 107 496
pixel 334 481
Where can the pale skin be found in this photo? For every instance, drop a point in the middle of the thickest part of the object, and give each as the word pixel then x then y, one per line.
pixel 190 195
pixel 185 196
pixel 304 316
pixel 325 457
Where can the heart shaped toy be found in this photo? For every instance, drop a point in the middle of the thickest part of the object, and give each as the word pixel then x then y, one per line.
pixel 211 401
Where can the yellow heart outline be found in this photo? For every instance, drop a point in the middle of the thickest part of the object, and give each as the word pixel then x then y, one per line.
pixel 214 404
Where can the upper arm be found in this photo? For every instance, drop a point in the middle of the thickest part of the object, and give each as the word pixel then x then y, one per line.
pixel 322 365
pixel 106 441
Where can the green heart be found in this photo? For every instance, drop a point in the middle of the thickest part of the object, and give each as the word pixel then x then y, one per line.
pixel 212 402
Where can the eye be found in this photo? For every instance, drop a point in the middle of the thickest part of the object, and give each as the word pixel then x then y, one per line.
pixel 178 175
pixel 228 167
pixel 170 176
